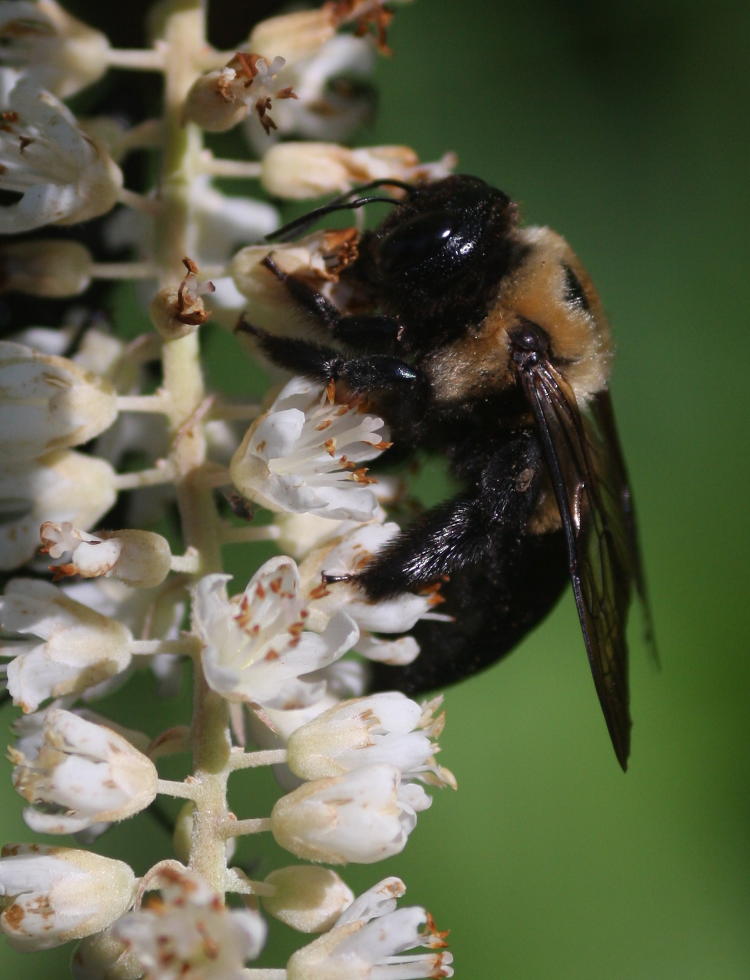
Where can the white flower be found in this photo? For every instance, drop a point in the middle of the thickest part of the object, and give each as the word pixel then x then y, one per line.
pixel 307 898
pixel 348 556
pixel 73 647
pixel 369 939
pixel 319 258
pixel 304 455
pixel 300 34
pixel 299 534
pixel 297 702
pixel 364 816
pixel 61 486
pixel 62 175
pixel 82 773
pixel 294 36
pixel 54 894
pixel 140 558
pixel 323 109
pixel 397 653
pixel 190 932
pixel 61 53
pixel 255 643
pixel 297 171
pixel 383 728
pixel 49 403
pixel 147 613
pixel 221 98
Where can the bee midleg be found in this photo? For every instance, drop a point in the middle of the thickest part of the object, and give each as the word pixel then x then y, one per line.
pixel 389 377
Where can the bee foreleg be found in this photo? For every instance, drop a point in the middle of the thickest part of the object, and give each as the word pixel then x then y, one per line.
pixel 298 356
pixel 362 332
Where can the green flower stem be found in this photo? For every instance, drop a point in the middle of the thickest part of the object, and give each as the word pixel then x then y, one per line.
pixel 253 825
pixel 152 477
pixel 249 760
pixel 184 33
pixel 169 787
pixel 137 59
pixel 141 403
pixel 243 535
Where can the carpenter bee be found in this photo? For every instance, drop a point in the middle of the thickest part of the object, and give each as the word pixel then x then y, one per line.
pixel 485 341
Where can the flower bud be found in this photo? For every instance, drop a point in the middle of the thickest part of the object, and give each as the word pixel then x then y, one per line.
pixel 61 173
pixel 383 728
pixel 48 403
pixel 70 646
pixel 52 268
pixel 364 816
pixel 55 894
pixel 138 558
pixel 81 773
pixel 297 171
pixel 61 52
pixel 293 36
pixel 59 487
pixel 307 898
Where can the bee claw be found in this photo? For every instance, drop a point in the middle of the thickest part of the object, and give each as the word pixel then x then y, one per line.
pixel 329 579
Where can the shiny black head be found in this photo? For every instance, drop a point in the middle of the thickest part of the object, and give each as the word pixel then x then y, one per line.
pixel 436 260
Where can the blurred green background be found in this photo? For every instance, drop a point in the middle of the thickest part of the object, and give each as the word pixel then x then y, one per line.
pixel 622 125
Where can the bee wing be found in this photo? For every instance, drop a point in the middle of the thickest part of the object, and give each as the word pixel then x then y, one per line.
pixel 616 478
pixel 588 476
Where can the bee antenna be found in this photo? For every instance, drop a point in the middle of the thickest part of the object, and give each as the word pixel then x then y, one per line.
pixel 340 203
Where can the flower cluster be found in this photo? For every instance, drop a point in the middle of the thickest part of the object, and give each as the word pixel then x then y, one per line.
pixel 83 426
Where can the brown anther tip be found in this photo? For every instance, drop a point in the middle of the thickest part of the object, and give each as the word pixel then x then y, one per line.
pixel 62 571
pixel 245 64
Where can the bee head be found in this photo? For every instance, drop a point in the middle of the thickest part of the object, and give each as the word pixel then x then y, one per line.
pixel 438 232
pixel 446 243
